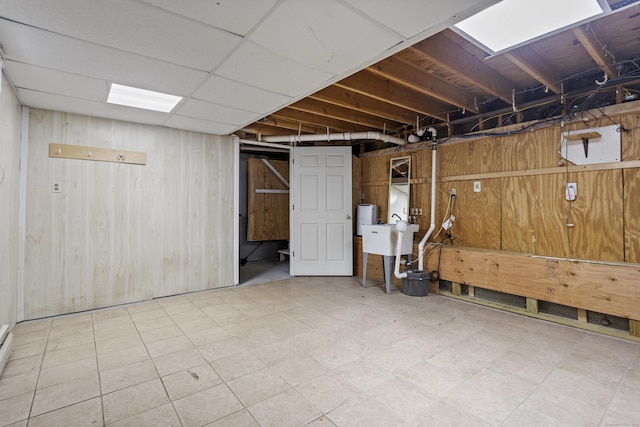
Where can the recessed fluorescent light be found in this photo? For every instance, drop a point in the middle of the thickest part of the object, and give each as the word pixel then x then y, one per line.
pixel 514 22
pixel 141 98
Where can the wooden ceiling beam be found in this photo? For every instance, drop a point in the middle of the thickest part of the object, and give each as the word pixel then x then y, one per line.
pixel 319 121
pixel 592 40
pixel 342 113
pixel 289 125
pixel 367 83
pixel 538 67
pixel 447 54
pixel 346 98
pixel 411 76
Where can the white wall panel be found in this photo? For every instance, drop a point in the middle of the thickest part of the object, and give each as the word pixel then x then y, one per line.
pixel 121 233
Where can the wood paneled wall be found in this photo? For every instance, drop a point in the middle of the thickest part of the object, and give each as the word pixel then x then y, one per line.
pixel 522 205
pixel 10 134
pixel 268 213
pixel 121 233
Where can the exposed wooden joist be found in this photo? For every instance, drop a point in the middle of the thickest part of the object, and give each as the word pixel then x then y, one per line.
pixel 411 76
pixel 591 39
pixel 342 113
pixel 538 67
pixel 375 86
pixel 272 122
pixel 449 55
pixel 320 121
pixel 349 99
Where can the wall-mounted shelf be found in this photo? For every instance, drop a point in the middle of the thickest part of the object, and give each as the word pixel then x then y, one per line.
pixel 98 154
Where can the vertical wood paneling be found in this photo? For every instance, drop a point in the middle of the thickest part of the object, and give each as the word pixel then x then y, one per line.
pixel 632 215
pixel 120 233
pixel 268 213
pixel 530 150
pixel 10 134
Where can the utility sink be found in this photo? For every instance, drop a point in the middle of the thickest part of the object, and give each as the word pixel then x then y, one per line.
pixel 381 239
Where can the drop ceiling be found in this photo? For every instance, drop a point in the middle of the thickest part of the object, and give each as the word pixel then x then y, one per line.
pixel 234 61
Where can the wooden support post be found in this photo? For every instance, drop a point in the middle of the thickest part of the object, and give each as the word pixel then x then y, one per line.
pixel 472 291
pixel 456 288
pixel 582 315
pixel 634 328
pixel 532 305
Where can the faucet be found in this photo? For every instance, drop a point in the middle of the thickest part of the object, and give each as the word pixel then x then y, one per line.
pixel 396 216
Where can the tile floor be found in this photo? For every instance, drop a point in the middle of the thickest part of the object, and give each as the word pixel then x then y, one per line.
pixel 315 351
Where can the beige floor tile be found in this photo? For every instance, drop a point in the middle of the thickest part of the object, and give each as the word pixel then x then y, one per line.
pixel 442 414
pixel 627 397
pixel 207 406
pixel 168 346
pixel 364 374
pixel 588 388
pixel 115 332
pixel 523 366
pixel 364 411
pixel 274 353
pixel 161 416
pixel 184 383
pixel 127 376
pixel 198 325
pixel 187 315
pixel 119 343
pixel 285 409
pixel 121 358
pixel 394 359
pixel 322 421
pixel 65 394
pixel 238 419
pixel 328 391
pixel 24 366
pixel 402 397
pixel 178 361
pixel 109 313
pixel 222 348
pixel 68 341
pixel 257 386
pixel 299 370
pixel 154 323
pixel 143 306
pixel 27 350
pixel 612 419
pixel 155 313
pixel 87 413
pixel 134 400
pixel 237 365
pixel 159 334
pixel 19 384
pixel 65 328
pixel 563 409
pixel 68 371
pixel 334 356
pixel 15 408
pixel 21 338
pixel 206 337
pixel 32 325
pixel 635 365
pixel 113 322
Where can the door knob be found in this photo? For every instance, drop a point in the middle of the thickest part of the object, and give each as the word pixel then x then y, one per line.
pixel 348 216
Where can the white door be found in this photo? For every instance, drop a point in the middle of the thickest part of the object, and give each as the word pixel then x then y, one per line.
pixel 321 240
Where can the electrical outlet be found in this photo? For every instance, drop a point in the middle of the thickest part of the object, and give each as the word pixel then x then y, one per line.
pixel 361 196
pixel 56 187
pixel 419 211
pixel 452 192
pixel 571 191
pixel 476 186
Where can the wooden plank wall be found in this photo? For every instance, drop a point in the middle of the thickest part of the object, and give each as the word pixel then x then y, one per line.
pixel 268 213
pixel 121 233
pixel 10 134
pixel 522 205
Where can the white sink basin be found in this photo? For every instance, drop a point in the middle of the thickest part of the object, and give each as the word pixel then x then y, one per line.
pixel 381 239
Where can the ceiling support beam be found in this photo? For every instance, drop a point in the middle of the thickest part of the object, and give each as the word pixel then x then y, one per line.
pixel 341 113
pixel 534 64
pixel 409 75
pixel 318 120
pixel 447 54
pixel 346 98
pixel 367 83
pixel 590 38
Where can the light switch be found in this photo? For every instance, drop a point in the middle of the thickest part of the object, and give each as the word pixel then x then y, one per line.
pixel 476 186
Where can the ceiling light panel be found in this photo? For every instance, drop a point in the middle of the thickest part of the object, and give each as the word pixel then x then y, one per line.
pixel 129 26
pixel 325 35
pixel 257 66
pixel 220 90
pixel 431 16
pixel 142 98
pixel 41 48
pixel 237 17
pixel 501 26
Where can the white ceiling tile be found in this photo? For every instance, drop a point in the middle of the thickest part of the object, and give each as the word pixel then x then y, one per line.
pixel 214 112
pixel 198 125
pixel 417 16
pixel 237 17
pixel 223 91
pixel 326 35
pixel 256 66
pixel 66 104
pixel 56 82
pixel 41 48
pixel 129 26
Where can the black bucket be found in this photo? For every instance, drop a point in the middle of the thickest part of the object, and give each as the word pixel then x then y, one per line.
pixel 416 284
